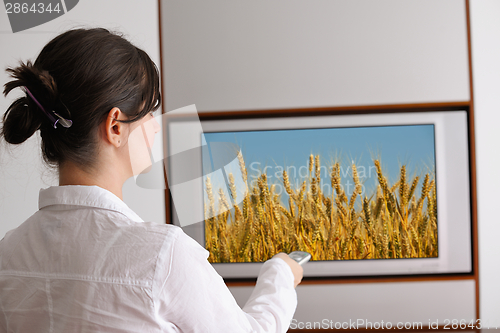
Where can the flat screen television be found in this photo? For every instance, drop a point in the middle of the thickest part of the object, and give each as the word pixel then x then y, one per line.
pixel 366 194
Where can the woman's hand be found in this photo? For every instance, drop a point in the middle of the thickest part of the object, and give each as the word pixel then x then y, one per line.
pixel 297 270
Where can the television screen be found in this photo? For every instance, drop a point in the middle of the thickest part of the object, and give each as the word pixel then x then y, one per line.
pixel 353 193
pixel 364 194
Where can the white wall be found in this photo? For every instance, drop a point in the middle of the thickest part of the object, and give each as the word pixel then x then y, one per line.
pixel 237 55
pixel 21 172
pixel 401 302
pixel 485 33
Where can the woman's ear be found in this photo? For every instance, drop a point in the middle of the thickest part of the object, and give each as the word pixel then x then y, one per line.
pixel 114 130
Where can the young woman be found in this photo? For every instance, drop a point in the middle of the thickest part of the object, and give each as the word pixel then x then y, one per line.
pixel 85 262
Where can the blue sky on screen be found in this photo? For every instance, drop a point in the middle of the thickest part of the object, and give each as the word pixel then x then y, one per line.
pixel 278 150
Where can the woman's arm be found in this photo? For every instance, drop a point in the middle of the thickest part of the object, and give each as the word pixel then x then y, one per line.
pixel 191 295
pixel 273 301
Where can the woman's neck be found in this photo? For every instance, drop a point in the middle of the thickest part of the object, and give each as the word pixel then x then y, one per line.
pixel 71 174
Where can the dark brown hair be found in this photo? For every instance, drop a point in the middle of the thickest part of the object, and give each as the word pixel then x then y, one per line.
pixel 81 74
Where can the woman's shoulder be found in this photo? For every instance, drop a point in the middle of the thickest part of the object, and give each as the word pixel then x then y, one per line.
pixel 160 228
pixel 172 237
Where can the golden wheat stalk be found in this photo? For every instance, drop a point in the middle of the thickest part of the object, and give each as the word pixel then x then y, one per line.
pixel 393 224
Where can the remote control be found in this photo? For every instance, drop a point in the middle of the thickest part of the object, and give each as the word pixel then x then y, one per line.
pixel 300 257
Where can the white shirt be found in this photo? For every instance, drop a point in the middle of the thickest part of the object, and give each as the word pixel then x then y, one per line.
pixel 85 262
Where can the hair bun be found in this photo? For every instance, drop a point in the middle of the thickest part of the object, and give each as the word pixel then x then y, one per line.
pixel 24 117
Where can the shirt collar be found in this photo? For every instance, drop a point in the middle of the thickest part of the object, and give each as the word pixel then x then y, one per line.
pixel 89 196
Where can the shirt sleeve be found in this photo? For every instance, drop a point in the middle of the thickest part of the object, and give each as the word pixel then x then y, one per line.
pixel 274 299
pixel 193 297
